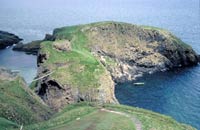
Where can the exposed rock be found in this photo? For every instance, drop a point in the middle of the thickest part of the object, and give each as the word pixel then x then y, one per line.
pixel 142 49
pixel 41 57
pixel 49 37
pixel 6 74
pixel 62 45
pixel 54 94
pixel 29 48
pixel 8 39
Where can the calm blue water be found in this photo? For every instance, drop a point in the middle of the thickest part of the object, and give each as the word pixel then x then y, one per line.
pixel 174 93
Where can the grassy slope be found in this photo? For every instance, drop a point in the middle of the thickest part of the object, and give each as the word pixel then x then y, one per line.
pixel 19 104
pixel 6 124
pixel 82 68
pixel 90 117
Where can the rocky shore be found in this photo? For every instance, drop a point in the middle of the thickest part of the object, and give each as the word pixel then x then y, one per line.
pixel 8 39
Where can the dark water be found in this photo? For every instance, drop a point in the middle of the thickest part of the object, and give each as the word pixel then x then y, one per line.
pixel 174 93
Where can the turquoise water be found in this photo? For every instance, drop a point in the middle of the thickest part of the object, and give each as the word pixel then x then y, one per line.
pixel 172 93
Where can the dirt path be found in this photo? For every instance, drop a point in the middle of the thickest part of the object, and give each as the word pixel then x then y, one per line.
pixel 138 124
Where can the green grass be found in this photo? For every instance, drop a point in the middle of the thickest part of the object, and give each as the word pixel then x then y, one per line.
pixel 87 116
pixel 33 85
pixel 152 28
pixel 67 115
pixel 82 68
pixel 19 104
pixel 99 120
pixel 90 117
pixel 151 120
pixel 6 124
pixel 65 32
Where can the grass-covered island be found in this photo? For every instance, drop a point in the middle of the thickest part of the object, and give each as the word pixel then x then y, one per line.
pixel 78 67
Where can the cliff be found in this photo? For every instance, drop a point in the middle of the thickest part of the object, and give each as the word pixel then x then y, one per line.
pixel 86 60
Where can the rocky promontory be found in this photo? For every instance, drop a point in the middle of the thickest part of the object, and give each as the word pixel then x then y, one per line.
pixel 83 62
pixel 8 39
pixel 29 48
pixel 32 47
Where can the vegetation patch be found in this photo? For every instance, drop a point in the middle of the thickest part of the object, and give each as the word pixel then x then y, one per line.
pixel 88 116
pixel 19 104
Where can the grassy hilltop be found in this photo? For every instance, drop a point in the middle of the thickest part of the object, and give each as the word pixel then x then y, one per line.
pixel 86 60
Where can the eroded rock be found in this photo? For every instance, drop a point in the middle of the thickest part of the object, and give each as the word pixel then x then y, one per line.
pixel 54 94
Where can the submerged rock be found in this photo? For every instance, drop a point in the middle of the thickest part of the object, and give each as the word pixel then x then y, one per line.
pixel 8 39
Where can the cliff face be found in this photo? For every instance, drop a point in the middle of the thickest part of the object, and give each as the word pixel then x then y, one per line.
pixel 8 39
pixel 75 76
pixel 128 51
pixel 82 62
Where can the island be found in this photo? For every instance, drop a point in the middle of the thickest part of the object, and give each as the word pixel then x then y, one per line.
pixel 87 60
pixel 78 68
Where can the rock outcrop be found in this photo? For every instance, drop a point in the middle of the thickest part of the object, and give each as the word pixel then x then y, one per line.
pixel 92 57
pixel 6 74
pixel 29 48
pixel 32 47
pixel 134 50
pixel 8 39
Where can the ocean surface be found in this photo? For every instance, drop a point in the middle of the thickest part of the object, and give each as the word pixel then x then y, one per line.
pixel 175 93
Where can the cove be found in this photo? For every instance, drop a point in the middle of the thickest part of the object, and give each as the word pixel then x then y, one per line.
pixel 175 93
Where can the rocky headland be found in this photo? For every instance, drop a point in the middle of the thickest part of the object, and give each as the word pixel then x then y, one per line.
pixel 32 47
pixel 8 39
pixel 85 61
